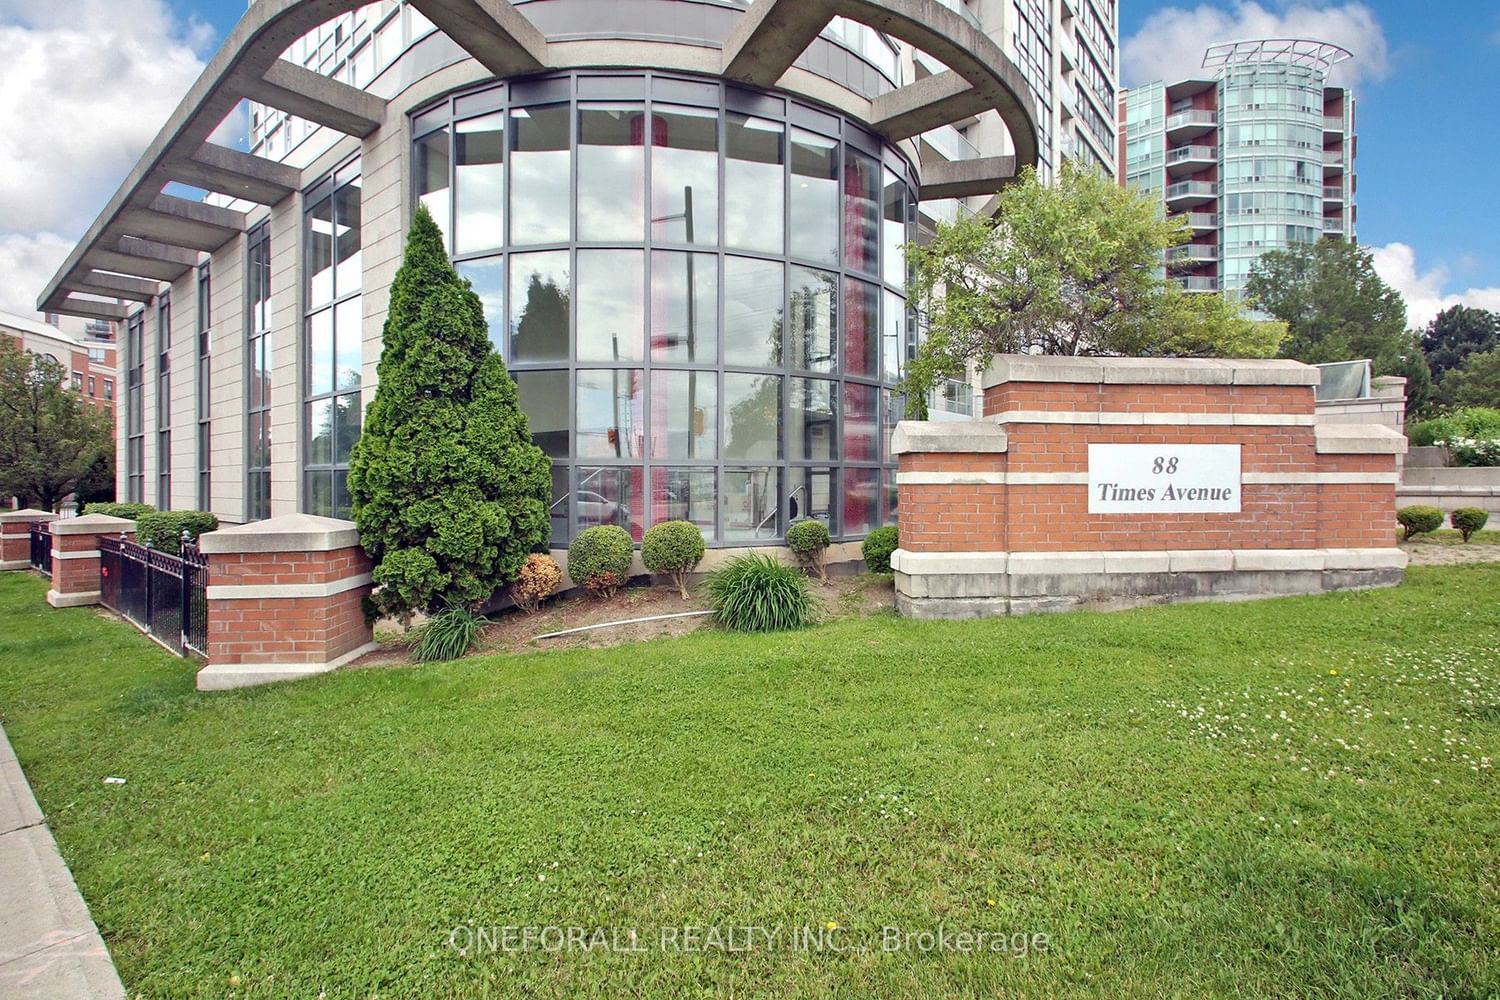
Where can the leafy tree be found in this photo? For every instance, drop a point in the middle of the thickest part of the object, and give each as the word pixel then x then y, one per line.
pixel 1455 334
pixel 51 439
pixel 1476 382
pixel 450 494
pixel 1071 268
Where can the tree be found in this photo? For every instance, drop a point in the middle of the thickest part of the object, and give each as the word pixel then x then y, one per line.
pixel 1456 333
pixel 1476 382
pixel 51 439
pixel 1073 268
pixel 449 492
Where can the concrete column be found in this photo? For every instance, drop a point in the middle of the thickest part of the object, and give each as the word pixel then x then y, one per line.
pixel 15 536
pixel 284 600
pixel 75 557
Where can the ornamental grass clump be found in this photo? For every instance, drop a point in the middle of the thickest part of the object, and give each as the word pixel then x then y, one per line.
pixel 673 548
pixel 447 635
pixel 757 593
pixel 809 542
pixel 599 559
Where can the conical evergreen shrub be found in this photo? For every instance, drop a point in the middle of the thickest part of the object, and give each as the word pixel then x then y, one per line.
pixel 449 492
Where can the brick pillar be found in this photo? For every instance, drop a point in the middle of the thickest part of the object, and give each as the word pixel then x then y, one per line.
pixel 284 600
pixel 15 536
pixel 75 557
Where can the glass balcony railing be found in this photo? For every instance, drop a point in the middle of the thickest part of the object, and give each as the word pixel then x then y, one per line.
pixel 1192 118
pixel 952 396
pixel 950 144
pixel 1192 189
pixel 1333 193
pixel 1334 226
pixel 1193 283
pixel 1333 123
pixel 1192 253
pixel 1203 220
pixel 1183 153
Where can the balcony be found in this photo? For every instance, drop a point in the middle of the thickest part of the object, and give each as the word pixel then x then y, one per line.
pixel 1201 222
pixel 1191 124
pixel 1194 283
pixel 1186 160
pixel 1333 227
pixel 951 396
pixel 1333 192
pixel 1192 254
pixel 1185 193
pixel 1333 162
pixel 950 145
pixel 1333 125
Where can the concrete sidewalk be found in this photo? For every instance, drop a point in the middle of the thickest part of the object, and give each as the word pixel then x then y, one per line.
pixel 49 946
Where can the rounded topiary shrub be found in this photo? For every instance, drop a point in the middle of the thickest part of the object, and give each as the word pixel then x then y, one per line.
pixel 809 541
pixel 129 510
pixel 674 548
pixel 538 578
pixel 162 529
pixel 1419 519
pixel 599 558
pixel 878 546
pixel 757 593
pixel 1468 520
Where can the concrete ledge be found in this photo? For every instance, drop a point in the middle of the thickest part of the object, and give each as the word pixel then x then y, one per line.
pixel 955 437
pixel 273 591
pixel 15 564
pixel 65 556
pixel 228 676
pixel 288 533
pixel 1334 559
pixel 1308 478
pixel 1123 417
pixel 57 600
pixel 1358 439
pixel 950 479
pixel 1007 368
pixel 1056 562
pixel 927 563
pixel 1200 560
pixel 26 515
pixel 1253 560
pixel 93 524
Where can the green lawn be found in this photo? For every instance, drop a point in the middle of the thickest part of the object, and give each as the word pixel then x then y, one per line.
pixel 1291 798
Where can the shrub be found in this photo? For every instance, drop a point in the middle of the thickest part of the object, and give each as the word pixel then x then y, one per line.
pixel 1418 519
pixel 1425 433
pixel 599 558
pixel 673 547
pixel 1468 520
pixel 450 494
pixel 538 578
pixel 758 593
pixel 133 511
pixel 163 529
pixel 879 544
pixel 1474 451
pixel 809 541
pixel 448 634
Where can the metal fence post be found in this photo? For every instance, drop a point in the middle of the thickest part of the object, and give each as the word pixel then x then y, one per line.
pixel 182 550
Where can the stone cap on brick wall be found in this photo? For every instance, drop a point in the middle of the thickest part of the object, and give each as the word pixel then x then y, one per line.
pixel 26 516
pixel 1148 371
pixel 949 436
pixel 288 533
pixel 1359 439
pixel 93 524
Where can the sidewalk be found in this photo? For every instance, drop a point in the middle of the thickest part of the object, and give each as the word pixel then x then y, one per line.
pixel 49 946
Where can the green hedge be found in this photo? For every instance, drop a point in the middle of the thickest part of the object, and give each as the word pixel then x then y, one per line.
pixel 128 510
pixel 162 530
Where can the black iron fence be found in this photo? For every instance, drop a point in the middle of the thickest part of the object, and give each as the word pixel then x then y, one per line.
pixel 163 594
pixel 41 548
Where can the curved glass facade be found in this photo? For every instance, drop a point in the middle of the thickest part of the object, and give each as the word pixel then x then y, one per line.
pixel 699 289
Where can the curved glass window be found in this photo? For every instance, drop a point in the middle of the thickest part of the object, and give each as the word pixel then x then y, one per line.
pixel 701 297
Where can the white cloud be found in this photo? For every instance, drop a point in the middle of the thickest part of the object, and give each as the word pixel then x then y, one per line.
pixel 1170 44
pixel 1425 292
pixel 84 86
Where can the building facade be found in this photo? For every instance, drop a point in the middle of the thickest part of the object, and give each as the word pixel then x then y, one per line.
pixel 1257 155
pixel 85 350
pixel 685 219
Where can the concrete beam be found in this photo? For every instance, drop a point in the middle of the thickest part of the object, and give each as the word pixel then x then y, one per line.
pixel 115 286
pixel 491 31
pixel 239 175
pixel 179 222
pixel 770 36
pixel 929 103
pixel 301 92
pixel 966 178
pixel 74 306
pixel 146 258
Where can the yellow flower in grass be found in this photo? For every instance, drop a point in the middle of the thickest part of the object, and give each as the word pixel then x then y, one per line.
pixel 832 925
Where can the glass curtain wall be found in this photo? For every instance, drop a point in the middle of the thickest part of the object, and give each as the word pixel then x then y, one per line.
pixel 693 286
pixel 258 370
pixel 164 402
pixel 135 410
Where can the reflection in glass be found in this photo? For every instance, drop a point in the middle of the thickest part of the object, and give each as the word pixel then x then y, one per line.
pixel 430 168
pixel 320 353
pixel 610 421
pixel 320 253
pixel 814 317
pixel 748 507
pixel 754 193
pixel 611 305
pixel 753 293
pixel 684 175
pixel 861 507
pixel 684 495
pixel 347 362
pixel 488 279
pixel 893 337
pixel 810 494
pixel 684 306
pixel 861 326
pixel 320 432
pixel 611 172
pixel 346 219
pixel 893 232
pixel 539 306
pixel 539 163
pixel 861 430
pixel 347 411
pixel 684 414
pixel 888 483
pixel 610 495
pixel 811 408
pixel 479 182
pixel 558 510
pixel 815 198
pixel 544 399
pixel 861 212
pixel 752 416
pixel 894 408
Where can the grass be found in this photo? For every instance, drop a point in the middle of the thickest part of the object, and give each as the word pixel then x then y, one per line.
pixel 1448 536
pixel 1292 798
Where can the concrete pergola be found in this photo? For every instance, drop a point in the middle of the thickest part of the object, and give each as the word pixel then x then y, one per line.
pixel 144 237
